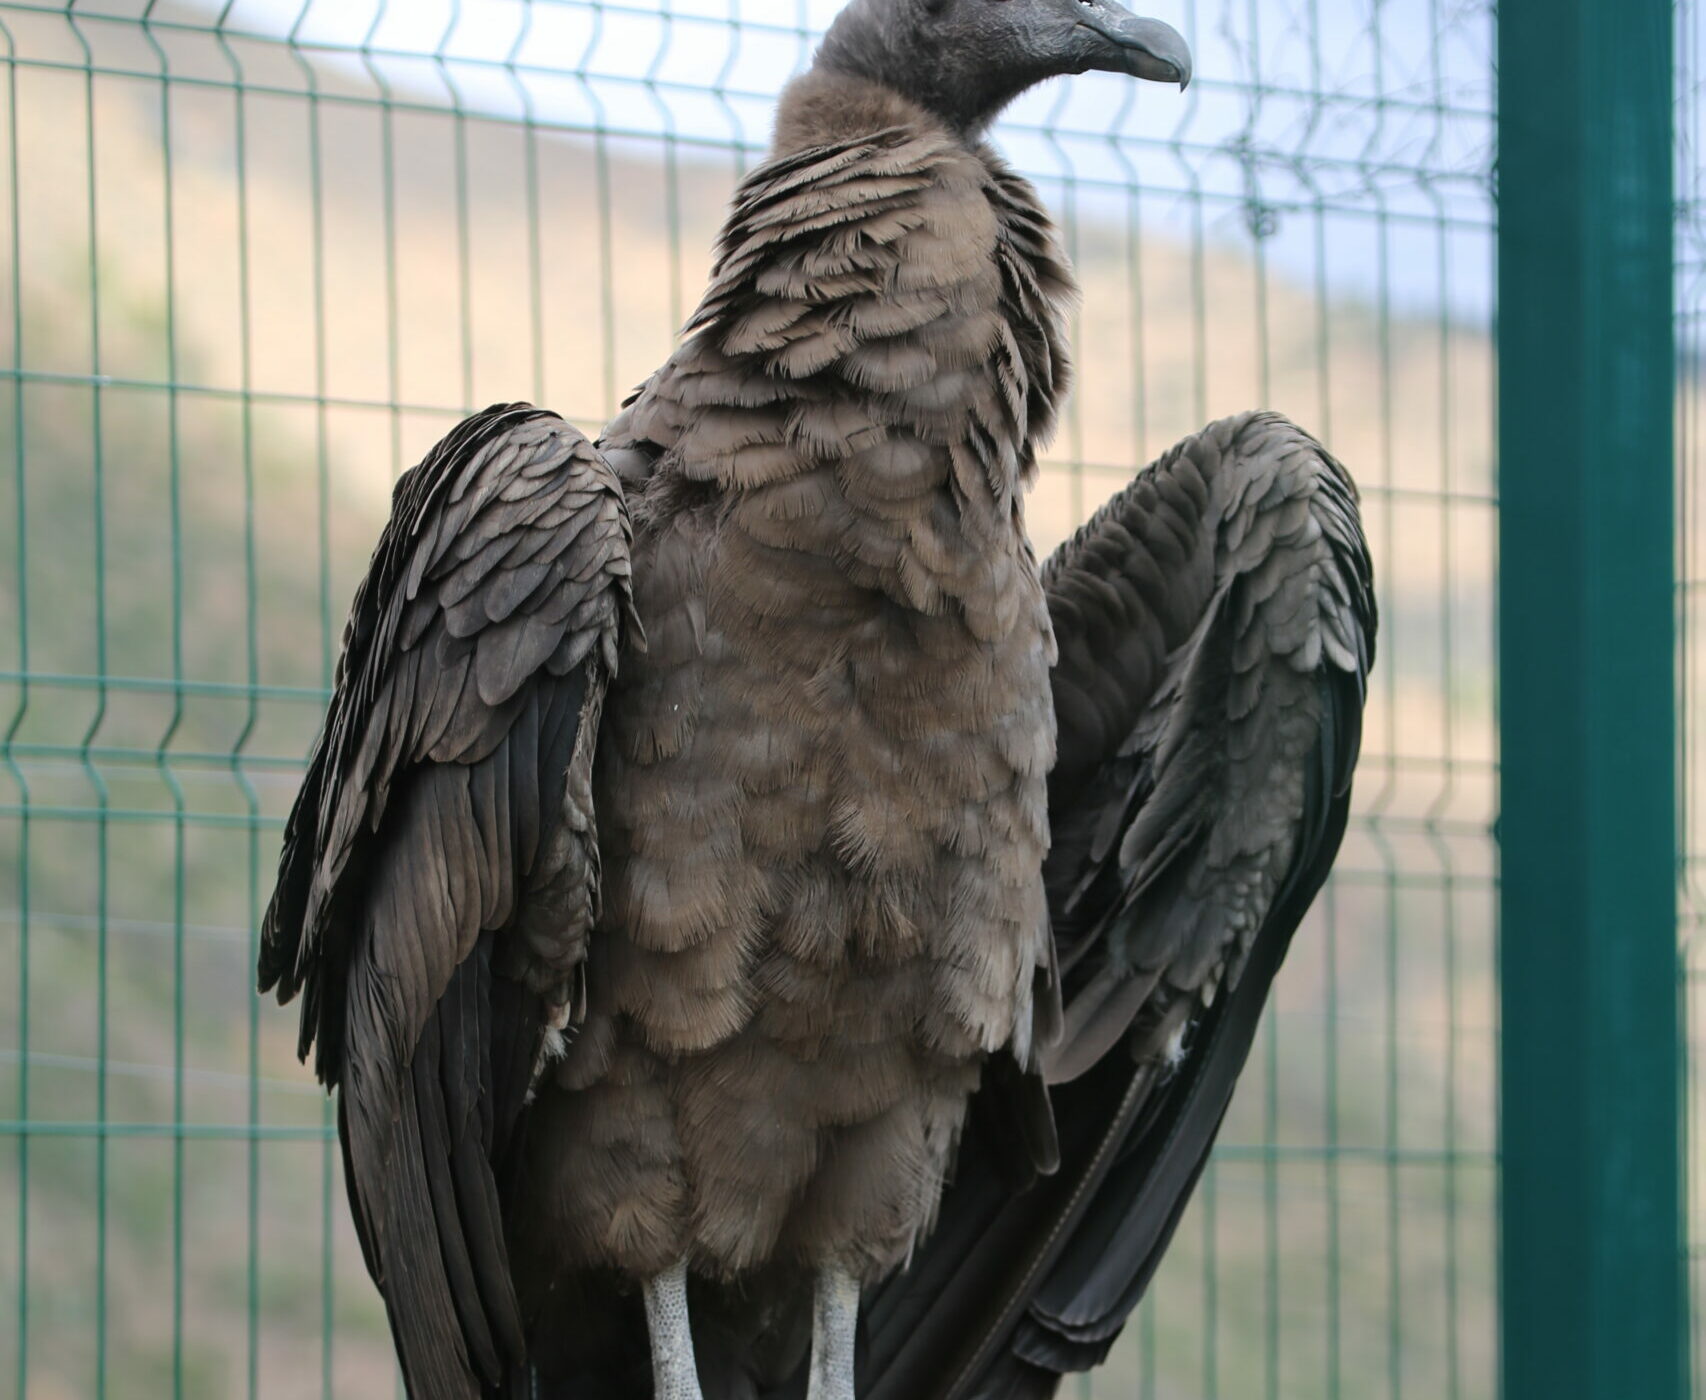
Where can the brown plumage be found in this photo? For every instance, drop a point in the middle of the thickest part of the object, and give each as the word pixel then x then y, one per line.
pixel 725 748
pixel 822 788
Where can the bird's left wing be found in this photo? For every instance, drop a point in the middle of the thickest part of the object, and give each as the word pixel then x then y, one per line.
pixel 1216 625
pixel 439 877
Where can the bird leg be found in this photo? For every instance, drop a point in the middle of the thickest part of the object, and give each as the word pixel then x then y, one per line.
pixel 674 1376
pixel 835 1315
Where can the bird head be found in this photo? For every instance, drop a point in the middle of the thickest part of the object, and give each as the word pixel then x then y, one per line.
pixel 965 60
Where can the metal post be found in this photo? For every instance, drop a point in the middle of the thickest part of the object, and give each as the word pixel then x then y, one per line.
pixel 1590 1119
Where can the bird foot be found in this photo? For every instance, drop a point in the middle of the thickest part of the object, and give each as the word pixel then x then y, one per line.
pixel 835 1317
pixel 674 1375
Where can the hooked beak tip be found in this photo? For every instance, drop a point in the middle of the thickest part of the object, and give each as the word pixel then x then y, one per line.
pixel 1153 50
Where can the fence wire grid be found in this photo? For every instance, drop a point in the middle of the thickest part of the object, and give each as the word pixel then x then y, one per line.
pixel 257 258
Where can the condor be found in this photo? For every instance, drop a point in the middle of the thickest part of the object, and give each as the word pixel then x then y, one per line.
pixel 672 895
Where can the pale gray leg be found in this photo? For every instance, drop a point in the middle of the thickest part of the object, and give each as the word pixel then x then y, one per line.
pixel 835 1315
pixel 674 1376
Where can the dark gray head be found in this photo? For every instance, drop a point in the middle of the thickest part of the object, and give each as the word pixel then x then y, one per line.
pixel 965 60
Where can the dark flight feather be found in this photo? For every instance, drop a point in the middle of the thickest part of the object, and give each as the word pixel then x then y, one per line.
pixel 438 880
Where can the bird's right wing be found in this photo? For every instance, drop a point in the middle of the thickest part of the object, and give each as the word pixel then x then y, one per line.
pixel 1216 625
pixel 439 878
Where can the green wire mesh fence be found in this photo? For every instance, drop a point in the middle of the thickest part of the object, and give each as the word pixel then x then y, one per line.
pixel 256 258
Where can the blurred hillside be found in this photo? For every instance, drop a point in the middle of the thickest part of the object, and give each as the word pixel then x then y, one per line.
pixel 216 378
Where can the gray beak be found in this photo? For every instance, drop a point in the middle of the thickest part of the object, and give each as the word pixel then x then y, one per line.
pixel 1145 48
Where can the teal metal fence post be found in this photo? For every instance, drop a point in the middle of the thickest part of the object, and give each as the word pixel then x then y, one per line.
pixel 1590 1118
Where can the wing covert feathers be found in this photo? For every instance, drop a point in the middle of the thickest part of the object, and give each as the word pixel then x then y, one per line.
pixel 1216 625
pixel 439 876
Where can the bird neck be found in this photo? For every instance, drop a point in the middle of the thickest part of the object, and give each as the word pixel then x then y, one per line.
pixel 826 107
